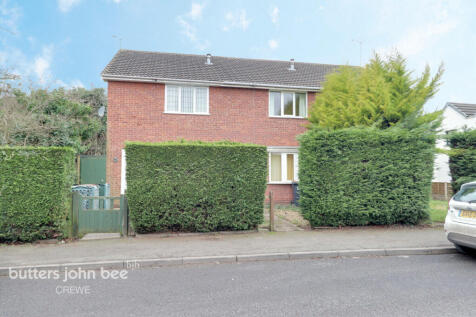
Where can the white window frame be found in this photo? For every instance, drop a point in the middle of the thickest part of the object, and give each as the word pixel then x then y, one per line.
pixel 194 111
pixel 284 151
pixel 282 92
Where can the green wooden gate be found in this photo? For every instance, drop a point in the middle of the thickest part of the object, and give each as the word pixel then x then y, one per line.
pixel 99 214
pixel 92 169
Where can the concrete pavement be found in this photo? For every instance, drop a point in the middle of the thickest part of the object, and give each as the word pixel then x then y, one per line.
pixel 225 245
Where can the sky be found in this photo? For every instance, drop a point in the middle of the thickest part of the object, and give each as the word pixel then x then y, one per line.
pixel 53 43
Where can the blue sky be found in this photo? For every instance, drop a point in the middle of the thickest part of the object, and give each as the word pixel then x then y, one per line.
pixel 68 42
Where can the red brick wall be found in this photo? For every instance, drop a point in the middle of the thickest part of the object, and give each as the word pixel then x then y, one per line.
pixel 282 193
pixel 136 113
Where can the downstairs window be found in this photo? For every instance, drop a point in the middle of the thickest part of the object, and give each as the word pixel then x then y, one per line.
pixel 283 167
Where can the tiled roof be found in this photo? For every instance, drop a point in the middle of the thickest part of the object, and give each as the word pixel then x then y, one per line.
pixel 162 66
pixel 467 109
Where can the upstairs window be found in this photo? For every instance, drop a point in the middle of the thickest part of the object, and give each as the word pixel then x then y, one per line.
pixel 186 99
pixel 287 104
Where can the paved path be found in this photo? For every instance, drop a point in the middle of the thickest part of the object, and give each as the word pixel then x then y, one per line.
pixel 154 246
pixel 431 285
pixel 281 224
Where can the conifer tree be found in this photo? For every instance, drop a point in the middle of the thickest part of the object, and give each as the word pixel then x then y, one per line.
pixel 382 94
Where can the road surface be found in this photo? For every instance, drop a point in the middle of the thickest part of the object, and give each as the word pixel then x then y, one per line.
pixel 436 285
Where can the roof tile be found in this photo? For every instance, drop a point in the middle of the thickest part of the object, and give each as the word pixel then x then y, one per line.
pixel 156 65
pixel 467 109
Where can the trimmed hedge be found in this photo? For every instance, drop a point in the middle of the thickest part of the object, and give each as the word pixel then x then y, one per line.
pixel 195 186
pixel 354 177
pixel 462 158
pixel 35 192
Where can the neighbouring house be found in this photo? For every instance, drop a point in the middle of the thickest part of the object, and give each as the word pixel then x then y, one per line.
pixel 456 117
pixel 156 97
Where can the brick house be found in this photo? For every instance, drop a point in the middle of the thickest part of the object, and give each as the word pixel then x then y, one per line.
pixel 156 97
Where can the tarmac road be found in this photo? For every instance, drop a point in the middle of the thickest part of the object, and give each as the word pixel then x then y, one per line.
pixel 427 285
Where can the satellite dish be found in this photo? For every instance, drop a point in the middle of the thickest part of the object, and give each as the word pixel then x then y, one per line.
pixel 101 111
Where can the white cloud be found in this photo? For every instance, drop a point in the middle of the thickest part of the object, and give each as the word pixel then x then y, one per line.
pixel 236 19
pixel 42 64
pixel 275 15
pixel 35 70
pixel 13 60
pixel 273 44
pixel 427 24
pixel 66 5
pixel 195 12
pixel 418 39
pixel 9 16
pixel 75 83
pixel 61 83
pixel 189 29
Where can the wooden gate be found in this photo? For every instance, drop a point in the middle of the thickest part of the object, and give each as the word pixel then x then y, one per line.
pixel 99 214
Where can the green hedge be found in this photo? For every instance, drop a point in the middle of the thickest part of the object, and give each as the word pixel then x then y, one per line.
pixel 35 192
pixel 462 157
pixel 365 176
pixel 195 186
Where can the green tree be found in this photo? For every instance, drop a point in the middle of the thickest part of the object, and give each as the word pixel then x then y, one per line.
pixel 58 117
pixel 95 138
pixel 382 94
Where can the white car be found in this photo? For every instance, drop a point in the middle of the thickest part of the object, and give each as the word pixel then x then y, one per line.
pixel 460 223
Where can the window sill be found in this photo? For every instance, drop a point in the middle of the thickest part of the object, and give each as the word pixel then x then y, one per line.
pixel 287 117
pixel 188 114
pixel 281 183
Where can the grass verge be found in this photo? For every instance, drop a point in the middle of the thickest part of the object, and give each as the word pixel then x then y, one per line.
pixel 438 209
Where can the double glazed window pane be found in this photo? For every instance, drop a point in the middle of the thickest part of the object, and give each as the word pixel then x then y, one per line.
pixel 275 104
pixel 187 99
pixel 172 98
pixel 290 167
pixel 288 104
pixel 300 104
pixel 201 100
pixel 276 168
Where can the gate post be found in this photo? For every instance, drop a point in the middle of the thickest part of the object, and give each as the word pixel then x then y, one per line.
pixel 271 211
pixel 124 216
pixel 76 200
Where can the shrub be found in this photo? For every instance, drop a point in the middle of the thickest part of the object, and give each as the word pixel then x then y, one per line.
pixel 195 186
pixel 462 158
pixel 35 192
pixel 365 176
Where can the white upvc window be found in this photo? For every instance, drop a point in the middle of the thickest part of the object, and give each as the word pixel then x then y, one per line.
pixel 287 104
pixel 282 165
pixel 186 99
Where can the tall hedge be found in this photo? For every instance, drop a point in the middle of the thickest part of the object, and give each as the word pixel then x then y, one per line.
pixel 462 157
pixel 195 186
pixel 35 192
pixel 355 177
